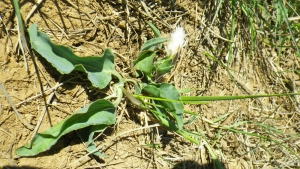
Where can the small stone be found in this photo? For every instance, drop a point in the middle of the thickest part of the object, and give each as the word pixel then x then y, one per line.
pixel 122 24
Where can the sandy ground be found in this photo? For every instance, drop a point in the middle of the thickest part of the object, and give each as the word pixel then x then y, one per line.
pixel 89 27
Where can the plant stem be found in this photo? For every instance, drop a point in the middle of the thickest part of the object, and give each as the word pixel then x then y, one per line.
pixel 117 88
pixel 131 98
pixel 19 116
pixel 119 95
pixel 120 78
pixel 131 80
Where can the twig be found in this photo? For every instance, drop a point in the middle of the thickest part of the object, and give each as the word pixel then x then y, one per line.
pixel 7 133
pixel 62 31
pixel 6 42
pixel 145 8
pixel 19 116
pixel 45 110
pixel 38 95
pixel 33 10
pixel 120 134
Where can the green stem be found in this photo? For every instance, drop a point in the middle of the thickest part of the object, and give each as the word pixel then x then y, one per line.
pixel 120 78
pixel 117 88
pixel 119 95
pixel 186 136
pixel 214 157
pixel 131 98
pixel 131 80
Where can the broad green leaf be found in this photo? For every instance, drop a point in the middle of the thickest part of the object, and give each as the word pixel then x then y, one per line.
pixel 100 112
pixel 165 90
pixel 143 65
pixel 164 119
pixel 98 68
pixel 86 134
pixel 164 66
pixel 153 42
pixel 152 90
pixel 176 108
pixel 172 126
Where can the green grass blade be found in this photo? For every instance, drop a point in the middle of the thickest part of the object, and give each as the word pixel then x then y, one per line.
pixel 217 11
pixel 264 138
pixel 189 136
pixel 214 157
pixel 220 118
pixel 233 7
pixel 284 13
pixel 168 91
pixel 215 98
pixel 21 27
pixel 154 29
pixel 169 100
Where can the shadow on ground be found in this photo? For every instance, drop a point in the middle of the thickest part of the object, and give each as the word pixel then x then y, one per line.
pixel 187 164
pixel 190 164
pixel 20 167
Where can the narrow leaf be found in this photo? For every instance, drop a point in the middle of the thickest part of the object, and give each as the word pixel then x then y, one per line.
pixel 152 42
pixel 215 98
pixel 165 90
pixel 154 29
pixel 164 66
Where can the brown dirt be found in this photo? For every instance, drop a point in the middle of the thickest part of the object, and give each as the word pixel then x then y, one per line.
pixel 88 27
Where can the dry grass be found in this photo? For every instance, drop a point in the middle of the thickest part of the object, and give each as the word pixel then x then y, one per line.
pixel 228 52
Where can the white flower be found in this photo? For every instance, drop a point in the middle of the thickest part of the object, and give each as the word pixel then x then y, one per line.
pixel 176 41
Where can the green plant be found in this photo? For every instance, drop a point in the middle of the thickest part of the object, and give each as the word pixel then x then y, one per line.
pixel 161 100
pixel 100 69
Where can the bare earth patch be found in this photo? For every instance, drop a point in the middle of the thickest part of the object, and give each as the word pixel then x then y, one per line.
pixel 89 27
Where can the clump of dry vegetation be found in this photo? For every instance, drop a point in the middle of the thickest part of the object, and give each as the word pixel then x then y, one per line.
pixel 233 48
